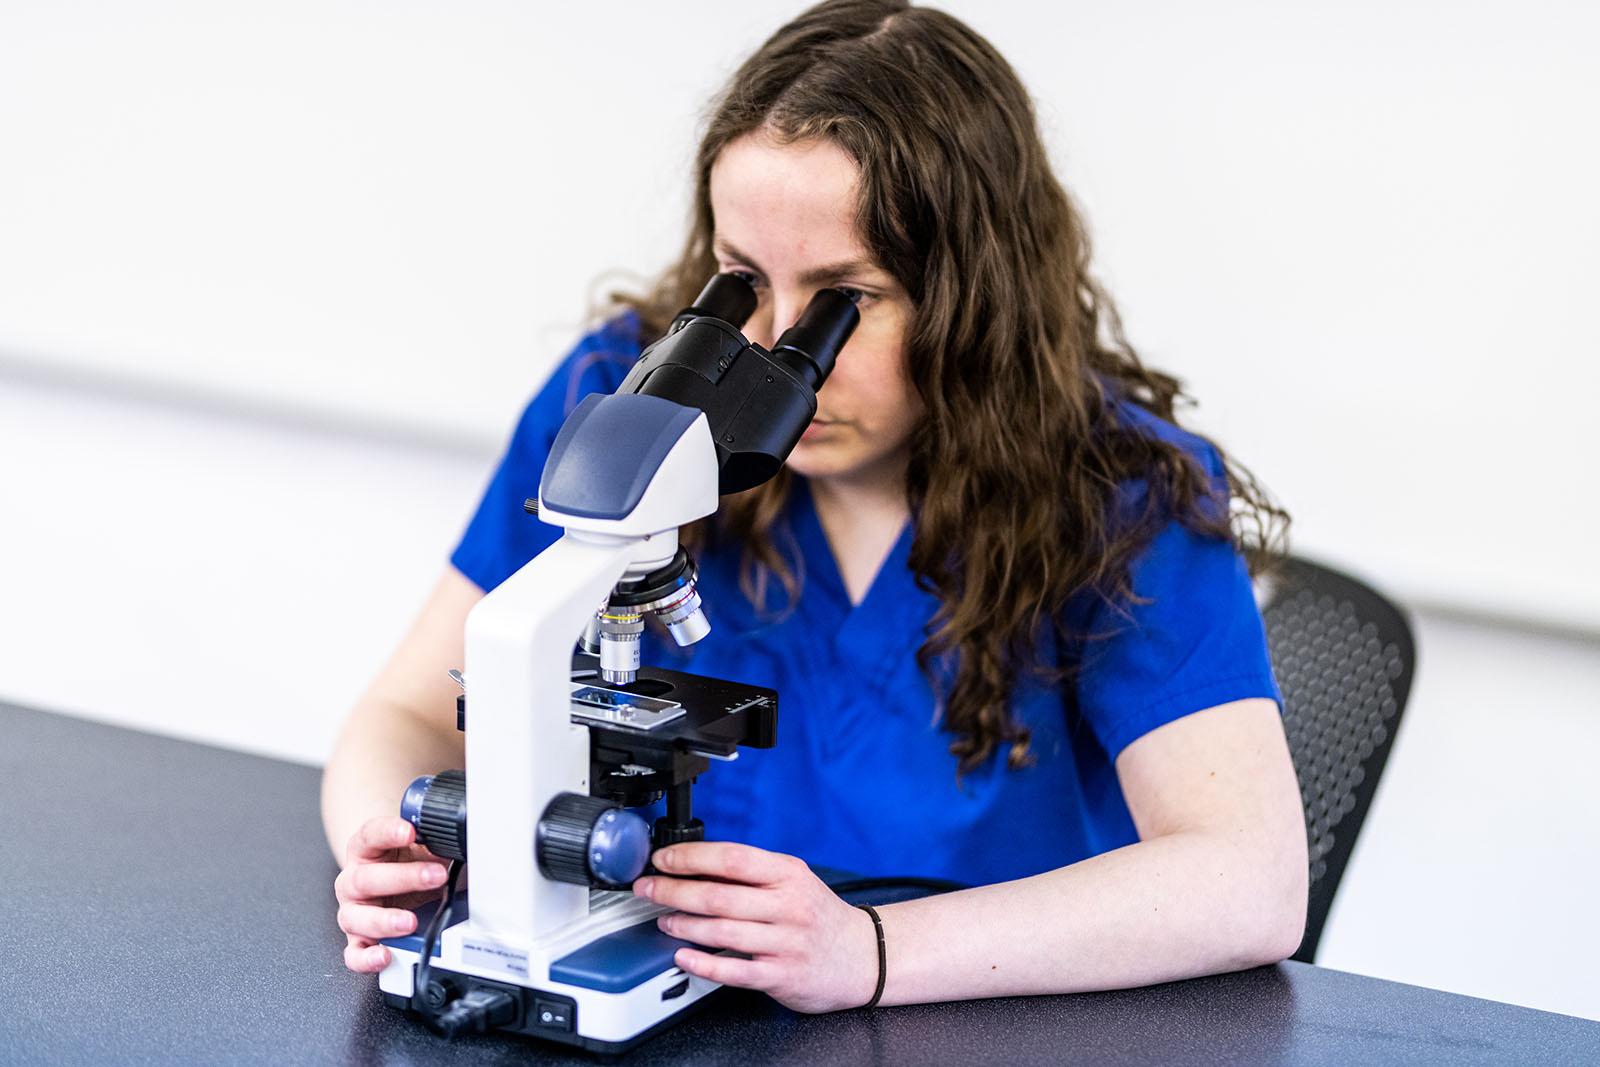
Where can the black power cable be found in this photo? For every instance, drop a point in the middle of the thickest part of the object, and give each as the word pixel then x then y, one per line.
pixel 430 994
pixel 477 1010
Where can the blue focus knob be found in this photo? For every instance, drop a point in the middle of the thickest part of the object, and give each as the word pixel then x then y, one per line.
pixel 411 802
pixel 588 840
pixel 436 804
pixel 619 847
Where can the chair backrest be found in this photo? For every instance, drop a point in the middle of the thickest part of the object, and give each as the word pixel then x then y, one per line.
pixel 1344 657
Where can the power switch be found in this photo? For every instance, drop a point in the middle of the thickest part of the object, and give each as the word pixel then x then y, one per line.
pixel 553 1014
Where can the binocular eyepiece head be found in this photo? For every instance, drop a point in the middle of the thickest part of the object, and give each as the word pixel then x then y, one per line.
pixel 809 348
pixel 757 402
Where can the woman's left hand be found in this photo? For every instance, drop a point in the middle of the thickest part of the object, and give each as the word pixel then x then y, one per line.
pixel 808 950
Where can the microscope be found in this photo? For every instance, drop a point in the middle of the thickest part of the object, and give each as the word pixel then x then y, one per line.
pixel 566 731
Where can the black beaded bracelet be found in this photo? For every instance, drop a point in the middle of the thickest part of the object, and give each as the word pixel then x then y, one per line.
pixel 883 955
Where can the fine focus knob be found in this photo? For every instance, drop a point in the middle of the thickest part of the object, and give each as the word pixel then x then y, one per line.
pixel 436 804
pixel 588 840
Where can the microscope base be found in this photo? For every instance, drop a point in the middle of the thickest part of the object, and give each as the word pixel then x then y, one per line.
pixel 593 1010
pixel 576 1039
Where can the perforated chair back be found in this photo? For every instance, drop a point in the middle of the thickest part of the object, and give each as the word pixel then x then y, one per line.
pixel 1344 657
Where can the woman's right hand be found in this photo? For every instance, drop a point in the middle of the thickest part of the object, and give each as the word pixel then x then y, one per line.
pixel 386 873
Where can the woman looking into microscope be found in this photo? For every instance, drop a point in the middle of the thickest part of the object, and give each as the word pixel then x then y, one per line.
pixel 996 586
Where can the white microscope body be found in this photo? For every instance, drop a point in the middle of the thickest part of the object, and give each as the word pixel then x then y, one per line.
pixel 523 750
pixel 551 943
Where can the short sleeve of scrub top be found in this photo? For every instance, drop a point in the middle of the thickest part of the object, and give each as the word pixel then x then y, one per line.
pixel 861 778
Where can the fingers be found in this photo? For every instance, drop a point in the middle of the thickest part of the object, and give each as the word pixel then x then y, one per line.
pixel 374 923
pixel 364 925
pixel 711 898
pixel 377 836
pixel 369 876
pixel 365 959
pixel 755 939
pixel 374 881
pixel 746 880
pixel 728 861
pixel 729 970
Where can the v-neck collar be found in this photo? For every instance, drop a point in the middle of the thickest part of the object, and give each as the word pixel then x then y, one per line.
pixel 823 565
pixel 874 639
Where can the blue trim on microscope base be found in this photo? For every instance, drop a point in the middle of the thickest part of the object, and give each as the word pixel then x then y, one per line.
pixel 618 962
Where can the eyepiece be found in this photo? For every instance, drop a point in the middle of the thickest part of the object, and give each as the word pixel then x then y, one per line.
pixel 727 297
pixel 812 344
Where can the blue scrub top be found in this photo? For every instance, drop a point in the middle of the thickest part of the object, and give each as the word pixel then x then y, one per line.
pixel 861 778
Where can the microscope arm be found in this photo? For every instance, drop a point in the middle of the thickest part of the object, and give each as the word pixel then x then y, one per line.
pixel 522 748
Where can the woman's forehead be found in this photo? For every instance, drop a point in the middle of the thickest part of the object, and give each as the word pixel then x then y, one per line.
pixel 790 207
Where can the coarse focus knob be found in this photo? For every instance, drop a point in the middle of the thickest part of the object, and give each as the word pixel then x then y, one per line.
pixel 436 804
pixel 588 840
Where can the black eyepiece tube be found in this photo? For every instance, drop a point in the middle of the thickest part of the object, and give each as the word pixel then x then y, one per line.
pixel 758 403
pixel 812 344
pixel 727 297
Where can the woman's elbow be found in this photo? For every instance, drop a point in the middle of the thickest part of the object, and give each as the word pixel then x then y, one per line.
pixel 1282 937
pixel 1267 910
pixel 1285 896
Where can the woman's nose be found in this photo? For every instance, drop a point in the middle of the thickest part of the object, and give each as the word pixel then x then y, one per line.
pixel 769 321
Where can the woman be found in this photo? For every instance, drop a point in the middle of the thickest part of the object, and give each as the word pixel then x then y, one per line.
pixel 996 585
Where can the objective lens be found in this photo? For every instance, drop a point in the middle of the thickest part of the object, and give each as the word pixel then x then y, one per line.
pixel 669 595
pixel 619 645
pixel 590 641
pixel 690 629
pixel 683 617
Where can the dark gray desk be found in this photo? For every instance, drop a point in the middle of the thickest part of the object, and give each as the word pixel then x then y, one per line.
pixel 171 902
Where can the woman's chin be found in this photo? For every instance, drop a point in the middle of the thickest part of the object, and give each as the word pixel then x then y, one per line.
pixel 817 460
pixel 821 460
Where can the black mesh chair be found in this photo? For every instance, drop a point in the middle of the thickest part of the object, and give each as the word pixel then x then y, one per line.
pixel 1344 657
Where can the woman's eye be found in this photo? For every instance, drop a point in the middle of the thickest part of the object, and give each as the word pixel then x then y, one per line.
pixel 855 296
pixel 750 278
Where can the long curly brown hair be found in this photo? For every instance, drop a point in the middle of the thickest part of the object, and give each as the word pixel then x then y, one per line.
pixel 1018 473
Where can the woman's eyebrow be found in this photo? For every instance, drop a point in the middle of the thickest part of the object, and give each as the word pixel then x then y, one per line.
pixel 814 276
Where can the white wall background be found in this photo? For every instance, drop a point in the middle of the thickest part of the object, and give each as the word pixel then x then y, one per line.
pixel 1362 231
pixel 274 279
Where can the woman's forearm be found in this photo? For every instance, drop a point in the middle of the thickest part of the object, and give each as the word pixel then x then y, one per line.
pixel 378 753
pixel 1171 907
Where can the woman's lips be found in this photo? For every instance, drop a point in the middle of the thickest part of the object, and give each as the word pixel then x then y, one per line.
pixel 817 427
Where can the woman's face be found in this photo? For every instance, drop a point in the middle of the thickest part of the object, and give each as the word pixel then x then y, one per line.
pixel 785 218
